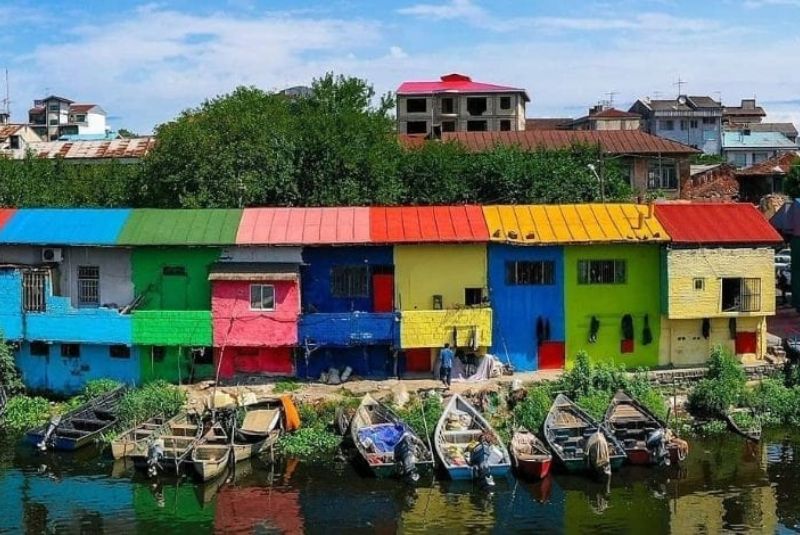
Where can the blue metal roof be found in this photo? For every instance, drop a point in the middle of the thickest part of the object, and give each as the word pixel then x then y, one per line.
pixel 64 226
pixel 756 140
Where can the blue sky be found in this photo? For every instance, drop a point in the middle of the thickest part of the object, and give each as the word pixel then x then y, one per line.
pixel 144 62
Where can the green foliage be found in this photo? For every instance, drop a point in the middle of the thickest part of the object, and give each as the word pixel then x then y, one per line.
pixel 595 402
pixel 153 399
pixel 286 385
pixel 315 438
pixel 723 387
pixel 23 413
pixel 792 182
pixel 706 159
pixel 10 378
pixel 531 411
pixel 422 414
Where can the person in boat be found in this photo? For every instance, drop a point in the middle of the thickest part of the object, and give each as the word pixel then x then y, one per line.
pixel 446 364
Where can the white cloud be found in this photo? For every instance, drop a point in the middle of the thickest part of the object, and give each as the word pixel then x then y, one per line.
pixel 397 52
pixel 455 9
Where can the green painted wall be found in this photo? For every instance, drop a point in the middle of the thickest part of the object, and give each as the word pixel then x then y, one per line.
pixel 173 292
pixel 175 368
pixel 639 295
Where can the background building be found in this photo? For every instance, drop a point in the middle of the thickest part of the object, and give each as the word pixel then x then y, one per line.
pixel 54 117
pixel 692 120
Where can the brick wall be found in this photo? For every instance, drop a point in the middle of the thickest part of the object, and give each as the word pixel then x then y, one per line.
pixel 433 328
pixel 172 327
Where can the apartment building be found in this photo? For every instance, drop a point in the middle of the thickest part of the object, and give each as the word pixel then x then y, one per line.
pixel 692 120
pixel 56 117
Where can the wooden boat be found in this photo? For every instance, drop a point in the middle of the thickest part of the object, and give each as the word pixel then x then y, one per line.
pixel 633 425
pixel 529 456
pixel 174 444
pixel 376 431
pixel 132 440
pixel 259 430
pixel 458 431
pixel 81 426
pixel 568 429
pixel 211 454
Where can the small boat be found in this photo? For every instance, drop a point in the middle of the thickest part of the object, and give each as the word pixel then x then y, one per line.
pixel 529 456
pixel 573 437
pixel 644 436
pixel 211 454
pixel 79 427
pixel 387 445
pixel 132 440
pixel 172 447
pixel 259 430
pixel 467 445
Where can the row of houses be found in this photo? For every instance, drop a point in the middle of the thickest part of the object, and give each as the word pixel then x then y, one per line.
pixel 186 294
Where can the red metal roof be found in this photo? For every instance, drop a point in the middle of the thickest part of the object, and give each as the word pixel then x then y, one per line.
pixel 423 224
pixel 454 83
pixel 777 165
pixel 611 141
pixel 304 226
pixel 136 147
pixel 613 113
pixel 5 215
pixel 7 130
pixel 716 223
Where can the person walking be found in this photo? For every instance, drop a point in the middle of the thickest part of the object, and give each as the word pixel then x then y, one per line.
pixel 446 365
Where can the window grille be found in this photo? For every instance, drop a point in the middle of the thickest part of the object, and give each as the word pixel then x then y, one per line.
pixel 34 285
pixel 530 273
pixel 88 285
pixel 350 281
pixel 601 272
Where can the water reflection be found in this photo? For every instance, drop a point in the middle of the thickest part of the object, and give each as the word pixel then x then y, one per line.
pixel 726 485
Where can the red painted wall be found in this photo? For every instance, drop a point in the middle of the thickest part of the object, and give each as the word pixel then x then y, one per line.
pixel 236 325
pixel 254 360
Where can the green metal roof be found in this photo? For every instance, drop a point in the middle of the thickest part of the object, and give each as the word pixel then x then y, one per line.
pixel 181 227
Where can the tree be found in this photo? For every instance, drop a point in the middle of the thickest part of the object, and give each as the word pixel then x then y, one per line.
pixel 792 185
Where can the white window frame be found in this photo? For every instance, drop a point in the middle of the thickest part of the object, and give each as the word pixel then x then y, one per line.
pixel 260 288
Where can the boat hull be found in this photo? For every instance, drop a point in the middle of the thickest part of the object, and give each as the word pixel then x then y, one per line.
pixel 466 473
pixel 534 469
pixel 386 471
pixel 208 470
pixel 639 457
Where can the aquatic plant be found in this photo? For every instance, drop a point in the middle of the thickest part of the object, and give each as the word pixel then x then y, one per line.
pixel 308 442
pixel 153 399
pixel 531 411
pixel 24 412
pixel 9 374
pixel 421 414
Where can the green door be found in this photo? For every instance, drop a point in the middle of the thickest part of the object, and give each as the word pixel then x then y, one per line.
pixel 174 291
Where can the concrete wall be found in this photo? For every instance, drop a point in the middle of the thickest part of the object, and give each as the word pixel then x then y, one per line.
pixel 493 115
pixel 712 265
pixel 265 361
pixel 317 270
pixel 344 329
pixel 69 375
pixel 433 328
pixel 11 318
pixel 516 308
pixel 638 296
pixel 116 286
pixel 172 327
pixel 235 324
pixel 192 292
pixel 176 367
pixel 683 344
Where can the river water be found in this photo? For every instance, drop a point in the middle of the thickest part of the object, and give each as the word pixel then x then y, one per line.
pixel 726 485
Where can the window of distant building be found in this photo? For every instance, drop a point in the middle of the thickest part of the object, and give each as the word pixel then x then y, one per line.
pixel 601 272
pixel 693 123
pixel 157 353
pixel 53 122
pixel 505 103
pixel 684 124
pixel 80 118
pixel 667 124
pixel 119 351
pixel 417 127
pixel 477 126
pixel 448 105
pixel 448 126
pixel 40 349
pixel 416 105
pixel 662 174
pixel 740 159
pixel 53 107
pixel 505 125
pixel 476 105
pixel 709 120
pixel 13 142
pixel 33 291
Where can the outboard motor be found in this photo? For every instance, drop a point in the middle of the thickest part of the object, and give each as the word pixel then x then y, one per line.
pixel 55 421
pixel 406 459
pixel 657 444
pixel 155 452
pixel 479 460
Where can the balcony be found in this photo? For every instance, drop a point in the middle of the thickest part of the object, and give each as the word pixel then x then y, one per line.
pixel 172 328
pixel 463 327
pixel 346 329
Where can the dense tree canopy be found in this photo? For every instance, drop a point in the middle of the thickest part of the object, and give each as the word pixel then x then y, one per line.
pixel 333 147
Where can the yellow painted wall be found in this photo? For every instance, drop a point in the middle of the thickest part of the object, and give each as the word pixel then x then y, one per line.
pixel 432 328
pixel 682 343
pixel 712 265
pixel 422 271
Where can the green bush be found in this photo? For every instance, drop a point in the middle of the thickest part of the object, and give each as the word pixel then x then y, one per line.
pixel 531 412
pixel 422 415
pixel 308 442
pixel 723 387
pixel 595 402
pixel 286 385
pixel 153 399
pixel 23 413
pixel 9 374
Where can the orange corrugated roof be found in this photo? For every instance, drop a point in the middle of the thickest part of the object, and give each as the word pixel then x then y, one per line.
pixel 304 226
pixel 573 223
pixel 425 224
pixel 716 223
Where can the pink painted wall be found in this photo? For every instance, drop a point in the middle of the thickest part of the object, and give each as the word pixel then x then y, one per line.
pixel 236 325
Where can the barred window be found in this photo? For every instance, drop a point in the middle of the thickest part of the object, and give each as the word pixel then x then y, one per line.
pixel 741 295
pixel 119 351
pixel 601 272
pixel 350 281
pixel 531 273
pixel 262 297
pixel 33 291
pixel 89 285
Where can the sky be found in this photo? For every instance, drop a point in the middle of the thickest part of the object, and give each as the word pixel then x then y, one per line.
pixel 145 62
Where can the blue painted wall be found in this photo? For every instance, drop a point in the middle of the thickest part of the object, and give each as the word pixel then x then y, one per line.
pixel 348 329
pixel 366 361
pixel 11 304
pixel 69 375
pixel 62 322
pixel 316 275
pixel 517 308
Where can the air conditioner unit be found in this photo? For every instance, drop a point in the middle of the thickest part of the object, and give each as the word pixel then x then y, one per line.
pixel 52 255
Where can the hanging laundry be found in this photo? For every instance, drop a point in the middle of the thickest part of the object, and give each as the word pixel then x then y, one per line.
pixel 647 334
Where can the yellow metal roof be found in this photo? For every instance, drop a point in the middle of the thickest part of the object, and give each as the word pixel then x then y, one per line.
pixel 573 223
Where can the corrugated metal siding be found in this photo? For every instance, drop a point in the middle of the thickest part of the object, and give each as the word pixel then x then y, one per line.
pixel 425 224
pixel 5 215
pixel 181 227
pixel 739 223
pixel 304 226
pixel 72 226
pixel 573 223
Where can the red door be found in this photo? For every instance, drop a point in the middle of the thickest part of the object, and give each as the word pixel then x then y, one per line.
pixel 383 292
pixel 418 360
pixel 551 355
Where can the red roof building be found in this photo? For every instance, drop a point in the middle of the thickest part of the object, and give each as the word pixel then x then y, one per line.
pixel 455 83
pixel 716 223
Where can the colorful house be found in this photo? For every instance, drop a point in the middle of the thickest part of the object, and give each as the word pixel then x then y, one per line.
pixel 65 297
pixel 441 287
pixel 173 251
pixel 719 281
pixel 526 287
pixel 611 280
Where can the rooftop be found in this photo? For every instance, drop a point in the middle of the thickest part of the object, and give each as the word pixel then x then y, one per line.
pixel 63 226
pixel 548 123
pixel 573 223
pixel 98 149
pixel 787 129
pixel 82 108
pixel 754 140
pixel 427 224
pixel 7 130
pixel 613 113
pixel 681 103
pixel 777 165
pixel 150 226
pixel 455 83
pixel 716 223
pixel 304 226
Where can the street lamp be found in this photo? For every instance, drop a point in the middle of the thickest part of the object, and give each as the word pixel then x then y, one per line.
pixel 593 169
